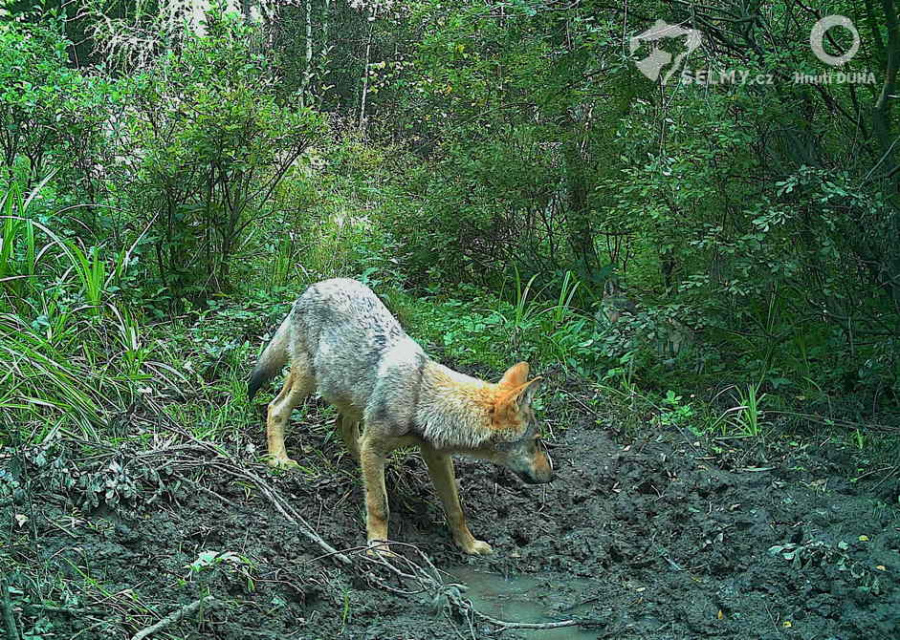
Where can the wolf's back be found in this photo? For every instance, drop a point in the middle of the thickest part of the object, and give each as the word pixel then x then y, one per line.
pixel 346 332
pixel 341 330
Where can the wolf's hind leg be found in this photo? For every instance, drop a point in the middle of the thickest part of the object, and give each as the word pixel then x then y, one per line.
pixel 440 468
pixel 349 430
pixel 297 386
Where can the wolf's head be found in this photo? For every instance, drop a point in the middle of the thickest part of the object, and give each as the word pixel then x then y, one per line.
pixel 517 440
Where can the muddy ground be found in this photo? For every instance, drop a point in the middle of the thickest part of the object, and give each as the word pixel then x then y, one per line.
pixel 648 536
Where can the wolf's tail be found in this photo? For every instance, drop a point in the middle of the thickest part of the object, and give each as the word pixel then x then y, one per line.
pixel 272 359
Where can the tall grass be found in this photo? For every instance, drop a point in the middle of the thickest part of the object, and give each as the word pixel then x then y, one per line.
pixel 46 383
pixel 530 305
pixel 90 270
pixel 17 232
pixel 63 372
pixel 745 419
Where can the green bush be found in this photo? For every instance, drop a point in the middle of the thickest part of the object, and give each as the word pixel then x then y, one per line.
pixel 209 143
pixel 52 117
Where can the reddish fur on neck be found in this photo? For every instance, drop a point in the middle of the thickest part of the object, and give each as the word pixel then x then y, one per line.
pixel 496 404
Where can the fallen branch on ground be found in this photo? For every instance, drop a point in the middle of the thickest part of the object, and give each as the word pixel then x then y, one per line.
pixel 72 611
pixel 418 577
pixel 173 617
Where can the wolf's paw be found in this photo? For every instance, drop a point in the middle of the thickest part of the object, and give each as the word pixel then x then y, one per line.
pixel 477 548
pixel 283 463
pixel 379 548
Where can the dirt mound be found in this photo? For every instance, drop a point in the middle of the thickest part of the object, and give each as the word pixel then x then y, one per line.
pixel 651 538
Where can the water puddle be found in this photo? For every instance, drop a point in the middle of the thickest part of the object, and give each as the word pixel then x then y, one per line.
pixel 530 599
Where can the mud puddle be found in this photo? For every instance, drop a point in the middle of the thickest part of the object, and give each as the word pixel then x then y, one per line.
pixel 530 599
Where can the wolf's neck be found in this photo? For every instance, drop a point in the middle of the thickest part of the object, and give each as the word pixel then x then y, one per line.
pixel 454 409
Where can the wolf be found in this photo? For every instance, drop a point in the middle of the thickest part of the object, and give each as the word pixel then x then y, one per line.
pixel 342 342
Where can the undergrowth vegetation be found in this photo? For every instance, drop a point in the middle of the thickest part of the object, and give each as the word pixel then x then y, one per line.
pixel 719 261
pixel 161 205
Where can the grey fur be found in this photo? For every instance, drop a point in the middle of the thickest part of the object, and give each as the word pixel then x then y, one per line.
pixel 342 341
pixel 358 357
pixel 271 361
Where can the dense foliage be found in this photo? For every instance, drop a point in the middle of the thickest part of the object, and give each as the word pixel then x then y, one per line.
pixel 502 173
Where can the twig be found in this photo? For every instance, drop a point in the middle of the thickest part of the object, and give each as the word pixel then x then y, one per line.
pixel 837 422
pixel 207 491
pixel 9 621
pixel 74 611
pixel 424 574
pixel 61 528
pixel 891 473
pixel 465 606
pixel 173 617
pixel 284 509
pixel 527 625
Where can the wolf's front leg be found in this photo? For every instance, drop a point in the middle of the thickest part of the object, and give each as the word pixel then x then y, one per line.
pixel 372 460
pixel 440 468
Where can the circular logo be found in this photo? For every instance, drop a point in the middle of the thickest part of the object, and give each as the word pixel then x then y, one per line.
pixel 817 36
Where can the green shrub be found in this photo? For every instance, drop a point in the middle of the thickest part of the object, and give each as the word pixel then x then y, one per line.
pixel 210 142
pixel 51 116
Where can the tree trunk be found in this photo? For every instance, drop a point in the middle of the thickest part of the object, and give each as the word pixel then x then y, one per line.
pixel 882 121
pixel 307 72
pixel 365 88
pixel 882 115
pixel 323 50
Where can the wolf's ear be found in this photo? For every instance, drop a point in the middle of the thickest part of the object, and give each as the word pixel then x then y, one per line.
pixel 507 419
pixel 518 397
pixel 526 393
pixel 515 376
pixel 522 395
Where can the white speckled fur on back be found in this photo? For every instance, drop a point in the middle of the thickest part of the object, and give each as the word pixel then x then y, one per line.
pixel 360 360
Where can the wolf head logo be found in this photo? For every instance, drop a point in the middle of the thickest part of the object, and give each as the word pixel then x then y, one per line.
pixel 652 65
